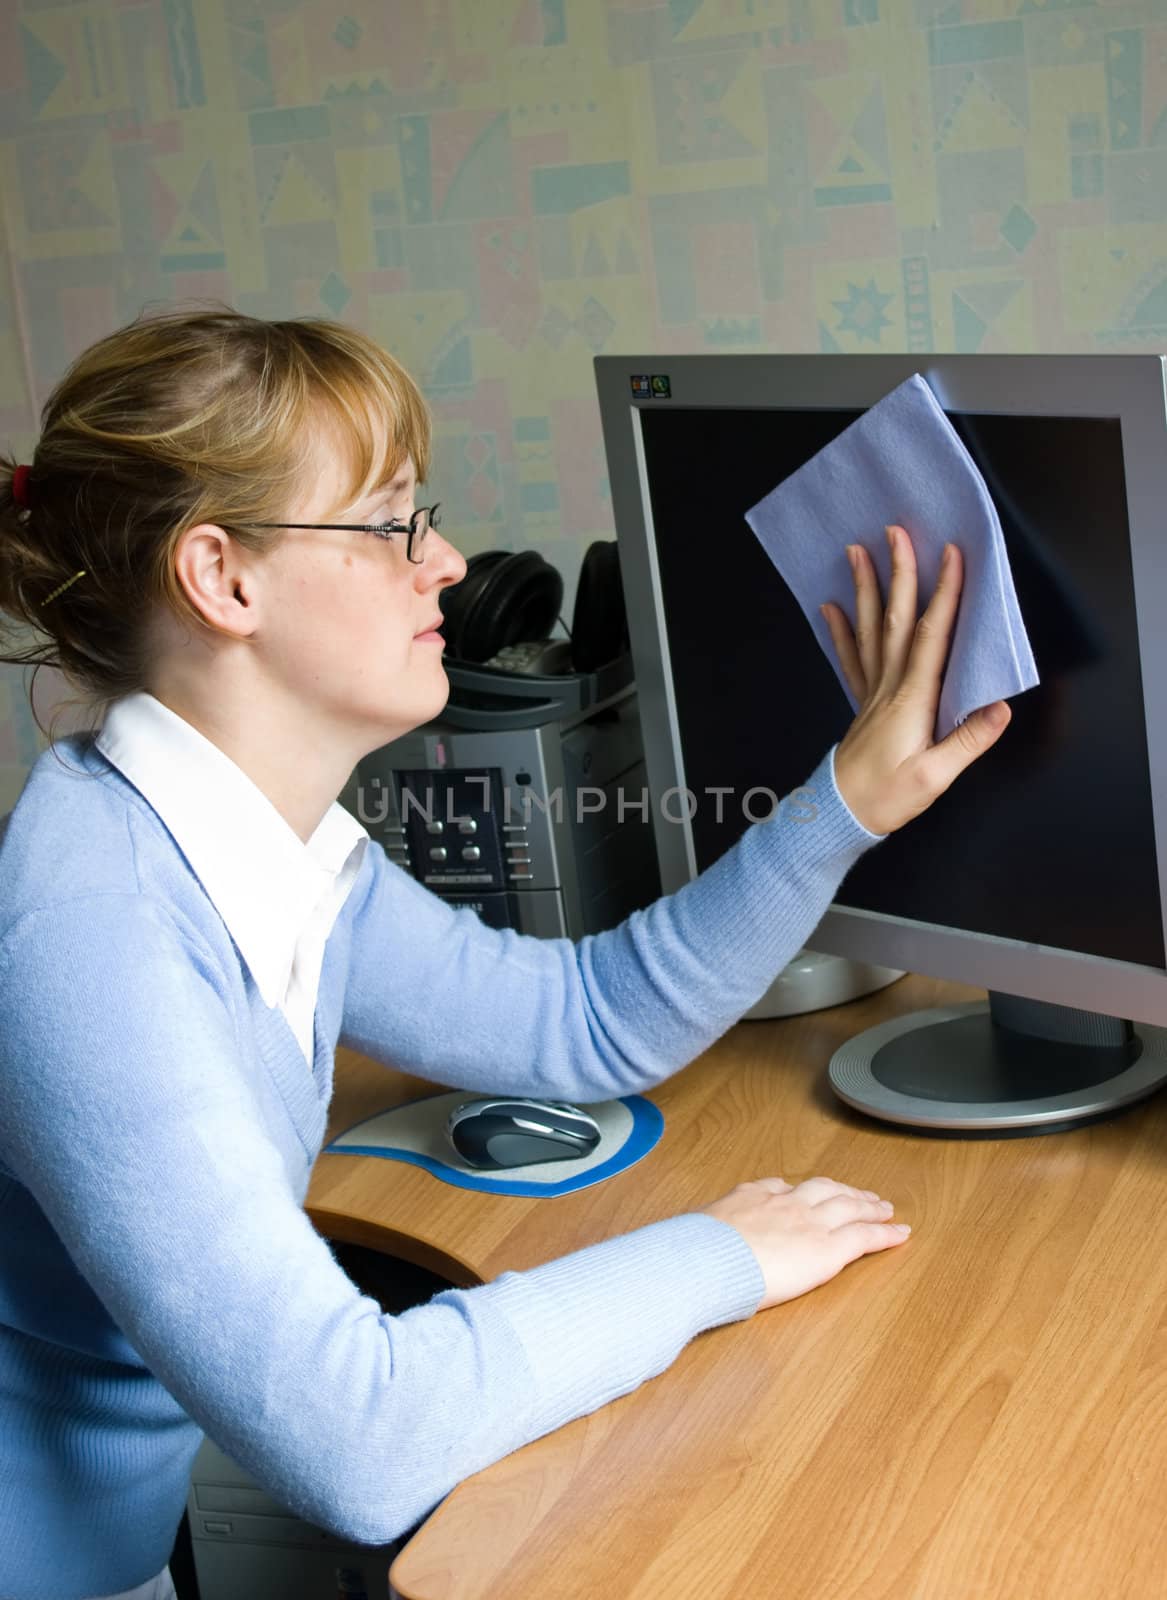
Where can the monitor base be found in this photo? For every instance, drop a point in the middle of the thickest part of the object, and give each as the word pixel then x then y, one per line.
pixel 812 981
pixel 955 1069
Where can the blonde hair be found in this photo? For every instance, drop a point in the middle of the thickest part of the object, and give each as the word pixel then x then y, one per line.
pixel 185 416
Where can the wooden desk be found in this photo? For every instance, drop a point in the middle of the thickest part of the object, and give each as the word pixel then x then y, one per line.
pixel 979 1413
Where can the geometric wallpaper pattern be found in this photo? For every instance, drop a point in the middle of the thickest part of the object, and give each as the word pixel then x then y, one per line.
pixel 500 189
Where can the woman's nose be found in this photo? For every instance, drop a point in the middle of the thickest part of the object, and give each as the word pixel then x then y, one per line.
pixel 442 564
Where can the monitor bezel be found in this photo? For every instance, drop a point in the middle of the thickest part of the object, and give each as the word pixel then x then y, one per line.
pixel 1131 388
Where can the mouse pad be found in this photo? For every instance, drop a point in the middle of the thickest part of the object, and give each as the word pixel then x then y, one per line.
pixel 416 1133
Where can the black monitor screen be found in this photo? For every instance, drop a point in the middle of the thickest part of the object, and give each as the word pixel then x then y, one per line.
pixel 1049 837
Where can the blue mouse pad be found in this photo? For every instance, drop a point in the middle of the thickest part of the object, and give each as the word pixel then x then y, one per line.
pixel 416 1133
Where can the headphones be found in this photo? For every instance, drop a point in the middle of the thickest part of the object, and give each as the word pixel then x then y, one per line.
pixel 512 597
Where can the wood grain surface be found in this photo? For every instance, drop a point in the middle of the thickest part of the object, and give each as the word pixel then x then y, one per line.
pixel 979 1413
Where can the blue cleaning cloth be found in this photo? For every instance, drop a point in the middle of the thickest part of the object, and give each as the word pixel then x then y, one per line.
pixel 902 462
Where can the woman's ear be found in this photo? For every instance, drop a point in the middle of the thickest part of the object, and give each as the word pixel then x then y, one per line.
pixel 219 579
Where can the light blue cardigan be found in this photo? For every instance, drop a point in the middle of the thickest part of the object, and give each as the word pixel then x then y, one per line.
pixel 158 1124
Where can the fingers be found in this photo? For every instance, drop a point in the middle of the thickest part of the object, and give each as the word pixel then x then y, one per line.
pixel 866 1238
pixel 813 1190
pixel 859 1217
pixel 945 761
pixel 881 644
pixel 899 619
pixel 868 614
pixel 843 1210
pixel 929 649
pixel 844 642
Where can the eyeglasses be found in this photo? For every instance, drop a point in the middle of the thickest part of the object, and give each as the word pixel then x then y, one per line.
pixel 419 524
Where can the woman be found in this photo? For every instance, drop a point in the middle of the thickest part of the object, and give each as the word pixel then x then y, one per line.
pixel 218 535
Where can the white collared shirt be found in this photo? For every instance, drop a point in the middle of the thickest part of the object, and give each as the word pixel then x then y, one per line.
pixel 277 896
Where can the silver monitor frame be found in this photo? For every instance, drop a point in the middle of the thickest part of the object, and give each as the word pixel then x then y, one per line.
pixel 1132 388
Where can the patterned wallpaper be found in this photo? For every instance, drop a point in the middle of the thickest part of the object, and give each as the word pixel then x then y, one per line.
pixel 500 189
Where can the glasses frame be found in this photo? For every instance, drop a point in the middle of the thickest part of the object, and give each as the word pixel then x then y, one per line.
pixel 383 530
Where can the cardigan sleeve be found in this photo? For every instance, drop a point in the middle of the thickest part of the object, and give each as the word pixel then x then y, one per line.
pixel 434 991
pixel 126 1114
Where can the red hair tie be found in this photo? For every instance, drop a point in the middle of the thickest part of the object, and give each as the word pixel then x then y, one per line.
pixel 20 486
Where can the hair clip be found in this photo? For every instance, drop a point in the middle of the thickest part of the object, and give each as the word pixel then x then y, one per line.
pixel 20 486
pixel 60 589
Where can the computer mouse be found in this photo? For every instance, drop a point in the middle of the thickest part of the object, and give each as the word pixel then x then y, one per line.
pixel 494 1134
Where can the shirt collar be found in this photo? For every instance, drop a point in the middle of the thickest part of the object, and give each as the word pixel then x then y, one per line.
pixel 263 880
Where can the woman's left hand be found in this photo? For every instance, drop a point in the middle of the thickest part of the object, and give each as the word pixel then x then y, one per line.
pixel 888 767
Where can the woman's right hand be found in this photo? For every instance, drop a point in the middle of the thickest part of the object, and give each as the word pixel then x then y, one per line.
pixel 804 1234
pixel 887 767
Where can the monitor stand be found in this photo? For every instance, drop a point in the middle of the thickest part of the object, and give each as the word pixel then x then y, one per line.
pixel 1004 1067
pixel 812 981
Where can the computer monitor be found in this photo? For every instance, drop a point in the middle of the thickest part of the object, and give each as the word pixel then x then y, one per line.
pixel 1040 875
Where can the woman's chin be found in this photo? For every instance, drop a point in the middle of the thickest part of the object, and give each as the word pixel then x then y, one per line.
pixel 397 716
pixel 437 702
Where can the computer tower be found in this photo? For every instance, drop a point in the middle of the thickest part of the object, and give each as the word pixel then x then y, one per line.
pixel 246 1546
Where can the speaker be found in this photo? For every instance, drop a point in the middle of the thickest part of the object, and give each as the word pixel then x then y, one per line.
pixel 512 597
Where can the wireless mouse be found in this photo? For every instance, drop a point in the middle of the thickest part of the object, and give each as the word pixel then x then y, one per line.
pixel 494 1134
